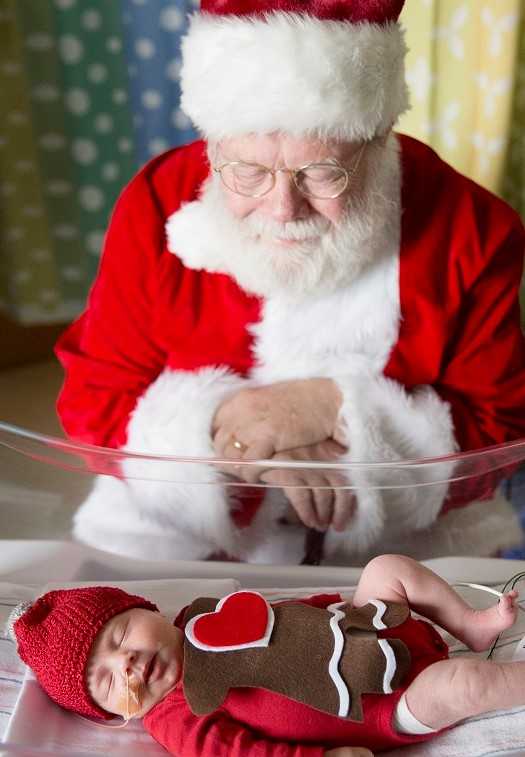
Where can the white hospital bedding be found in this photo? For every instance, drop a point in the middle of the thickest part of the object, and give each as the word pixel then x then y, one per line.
pixel 28 717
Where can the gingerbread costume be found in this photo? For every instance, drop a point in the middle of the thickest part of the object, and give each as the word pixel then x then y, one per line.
pixel 250 719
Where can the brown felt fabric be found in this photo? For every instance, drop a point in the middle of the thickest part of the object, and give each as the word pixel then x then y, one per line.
pixel 294 664
pixel 362 617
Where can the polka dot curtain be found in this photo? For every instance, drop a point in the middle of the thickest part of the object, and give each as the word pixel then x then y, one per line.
pixel 152 42
pixel 89 91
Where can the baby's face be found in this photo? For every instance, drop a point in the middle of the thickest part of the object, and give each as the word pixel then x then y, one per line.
pixel 135 661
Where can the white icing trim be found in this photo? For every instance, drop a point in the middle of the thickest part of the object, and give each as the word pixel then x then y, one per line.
pixel 262 642
pixel 391 665
pixel 342 689
pixel 380 611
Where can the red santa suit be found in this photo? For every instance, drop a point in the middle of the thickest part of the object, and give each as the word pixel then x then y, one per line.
pixel 424 341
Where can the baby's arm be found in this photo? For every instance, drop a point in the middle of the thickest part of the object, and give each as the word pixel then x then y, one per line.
pixel 183 734
pixel 396 578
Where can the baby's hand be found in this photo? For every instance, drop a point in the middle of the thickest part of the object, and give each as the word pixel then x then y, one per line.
pixel 349 751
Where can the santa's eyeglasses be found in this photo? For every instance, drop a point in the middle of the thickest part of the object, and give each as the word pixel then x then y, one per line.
pixel 321 181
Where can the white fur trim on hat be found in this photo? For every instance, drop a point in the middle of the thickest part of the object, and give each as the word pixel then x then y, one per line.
pixel 293 73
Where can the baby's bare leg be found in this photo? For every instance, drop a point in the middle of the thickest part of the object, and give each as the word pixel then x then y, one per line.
pixel 396 578
pixel 451 690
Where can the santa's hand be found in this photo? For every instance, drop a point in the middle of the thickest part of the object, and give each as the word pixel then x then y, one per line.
pixel 255 423
pixel 318 496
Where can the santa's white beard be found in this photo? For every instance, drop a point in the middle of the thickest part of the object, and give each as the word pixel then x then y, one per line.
pixel 207 236
pixel 330 255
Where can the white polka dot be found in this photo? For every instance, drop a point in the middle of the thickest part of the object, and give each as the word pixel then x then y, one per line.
pixel 110 171
pixel 40 255
pixel 32 211
pixel 103 123
pixel 25 166
pixel 173 69
pixel 77 101
pixel 171 19
pixel 7 189
pixel 15 233
pixel 91 20
pixel 47 296
pixel 16 117
pixel 94 242
pixel 65 231
pixel 39 42
pixel 72 273
pixel 84 151
pixel 64 4
pixel 180 120
pixel 46 93
pixel 119 96
pixel 145 48
pixel 151 99
pixel 91 198
pixel 52 141
pixel 71 48
pixel 156 146
pixel 124 144
pixel 10 68
pixel 97 72
pixel 114 44
pixel 21 276
pixel 58 188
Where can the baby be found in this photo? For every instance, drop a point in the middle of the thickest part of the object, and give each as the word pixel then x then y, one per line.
pixel 240 677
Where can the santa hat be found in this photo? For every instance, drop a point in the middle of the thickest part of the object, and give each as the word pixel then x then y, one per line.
pixel 331 68
pixel 55 635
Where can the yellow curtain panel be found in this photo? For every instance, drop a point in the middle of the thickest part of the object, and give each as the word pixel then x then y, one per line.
pixel 462 72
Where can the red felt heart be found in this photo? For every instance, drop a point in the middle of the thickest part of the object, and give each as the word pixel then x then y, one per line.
pixel 242 619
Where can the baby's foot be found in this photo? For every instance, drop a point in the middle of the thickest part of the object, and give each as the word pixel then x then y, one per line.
pixel 483 626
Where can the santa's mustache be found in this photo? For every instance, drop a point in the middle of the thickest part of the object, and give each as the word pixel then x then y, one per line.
pixel 299 230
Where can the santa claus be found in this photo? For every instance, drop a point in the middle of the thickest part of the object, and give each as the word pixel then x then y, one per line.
pixel 303 284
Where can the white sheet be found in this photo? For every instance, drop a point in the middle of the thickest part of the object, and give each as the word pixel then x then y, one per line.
pixel 51 729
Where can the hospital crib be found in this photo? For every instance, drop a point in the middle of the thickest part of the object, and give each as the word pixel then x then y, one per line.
pixel 33 727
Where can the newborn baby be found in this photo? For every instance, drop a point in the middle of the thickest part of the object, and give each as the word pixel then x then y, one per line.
pixel 242 677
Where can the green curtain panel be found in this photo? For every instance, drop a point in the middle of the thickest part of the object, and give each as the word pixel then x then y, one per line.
pixel 67 142
pixel 66 149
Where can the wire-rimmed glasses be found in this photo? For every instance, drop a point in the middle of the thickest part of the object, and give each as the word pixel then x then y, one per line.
pixel 325 180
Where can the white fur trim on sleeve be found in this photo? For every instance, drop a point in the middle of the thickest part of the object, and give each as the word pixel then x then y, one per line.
pixel 164 509
pixel 383 423
pixel 293 73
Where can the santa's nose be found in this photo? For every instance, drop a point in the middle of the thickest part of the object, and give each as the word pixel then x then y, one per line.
pixel 285 202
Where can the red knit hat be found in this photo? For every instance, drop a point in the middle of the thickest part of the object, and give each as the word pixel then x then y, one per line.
pixel 323 67
pixel 55 635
